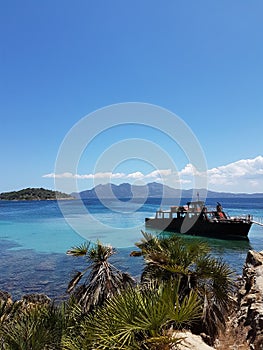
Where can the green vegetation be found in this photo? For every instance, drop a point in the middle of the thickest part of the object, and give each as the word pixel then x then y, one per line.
pixel 174 258
pixel 182 287
pixel 29 194
pixel 103 280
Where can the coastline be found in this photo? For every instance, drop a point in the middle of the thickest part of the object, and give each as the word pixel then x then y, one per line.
pixel 243 328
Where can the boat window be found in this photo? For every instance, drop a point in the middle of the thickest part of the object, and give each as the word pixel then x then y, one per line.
pixel 210 215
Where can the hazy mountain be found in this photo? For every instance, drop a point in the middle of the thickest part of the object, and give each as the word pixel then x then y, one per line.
pixel 154 190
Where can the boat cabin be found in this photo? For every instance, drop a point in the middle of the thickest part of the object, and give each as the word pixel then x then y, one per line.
pixel 191 210
pixel 197 206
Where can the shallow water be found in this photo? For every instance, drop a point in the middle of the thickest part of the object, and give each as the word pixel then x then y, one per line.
pixel 34 237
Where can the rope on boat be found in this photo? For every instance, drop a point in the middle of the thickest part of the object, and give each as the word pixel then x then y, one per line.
pixel 258 221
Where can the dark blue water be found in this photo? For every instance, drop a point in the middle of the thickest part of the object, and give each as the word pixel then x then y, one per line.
pixel 35 235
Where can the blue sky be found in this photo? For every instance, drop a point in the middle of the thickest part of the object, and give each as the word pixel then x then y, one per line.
pixel 202 60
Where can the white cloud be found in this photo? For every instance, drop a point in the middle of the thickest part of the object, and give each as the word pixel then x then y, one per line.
pixel 244 169
pixel 189 169
pixel 103 175
pixel 136 175
pixel 58 176
pixel 245 175
pixel 159 173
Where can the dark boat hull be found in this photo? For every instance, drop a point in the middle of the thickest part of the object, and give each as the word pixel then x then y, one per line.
pixel 225 229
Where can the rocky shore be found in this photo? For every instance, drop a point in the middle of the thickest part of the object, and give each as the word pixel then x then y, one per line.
pixel 245 326
pixel 250 301
pixel 244 329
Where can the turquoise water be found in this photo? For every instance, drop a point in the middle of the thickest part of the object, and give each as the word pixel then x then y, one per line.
pixel 34 237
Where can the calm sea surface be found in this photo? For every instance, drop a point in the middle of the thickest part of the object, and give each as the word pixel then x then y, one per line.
pixel 35 235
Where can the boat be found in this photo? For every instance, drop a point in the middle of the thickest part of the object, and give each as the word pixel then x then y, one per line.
pixel 195 219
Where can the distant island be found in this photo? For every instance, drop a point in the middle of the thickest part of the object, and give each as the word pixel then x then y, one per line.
pixel 123 191
pixel 154 190
pixel 30 194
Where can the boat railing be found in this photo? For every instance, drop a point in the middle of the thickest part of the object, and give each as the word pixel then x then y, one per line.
pixel 210 214
pixel 247 218
pixel 257 220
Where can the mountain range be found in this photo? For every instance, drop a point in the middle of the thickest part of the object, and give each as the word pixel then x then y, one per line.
pixel 154 190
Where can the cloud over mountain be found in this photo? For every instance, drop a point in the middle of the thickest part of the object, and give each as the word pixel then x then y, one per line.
pixel 245 175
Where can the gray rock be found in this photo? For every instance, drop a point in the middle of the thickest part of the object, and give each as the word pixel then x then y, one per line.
pixel 191 341
pixel 36 299
pixel 250 300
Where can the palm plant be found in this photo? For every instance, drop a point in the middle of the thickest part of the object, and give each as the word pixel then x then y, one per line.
pixel 103 280
pixel 4 315
pixel 173 258
pixel 138 318
pixel 74 321
pixel 34 328
pixel 38 326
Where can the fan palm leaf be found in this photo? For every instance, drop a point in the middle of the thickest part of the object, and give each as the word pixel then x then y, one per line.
pixel 139 317
pixel 36 328
pixel 80 250
pixel 172 258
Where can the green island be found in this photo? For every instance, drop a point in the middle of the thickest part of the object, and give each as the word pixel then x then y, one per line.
pixel 30 194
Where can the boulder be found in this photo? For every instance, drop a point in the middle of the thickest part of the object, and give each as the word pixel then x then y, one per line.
pixel 250 300
pixel 34 298
pixel 33 301
pixel 191 341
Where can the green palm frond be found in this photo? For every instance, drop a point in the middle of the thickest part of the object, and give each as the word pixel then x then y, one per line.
pixel 164 342
pixel 188 309
pixel 76 333
pixel 142 316
pixel 170 258
pixel 37 328
pixel 80 250
pixel 148 242
pixel 99 252
pixel 216 274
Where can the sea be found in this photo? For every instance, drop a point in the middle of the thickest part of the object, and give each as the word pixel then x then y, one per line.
pixel 35 236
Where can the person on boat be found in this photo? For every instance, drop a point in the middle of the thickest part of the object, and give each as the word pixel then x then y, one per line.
pixel 203 215
pixel 219 212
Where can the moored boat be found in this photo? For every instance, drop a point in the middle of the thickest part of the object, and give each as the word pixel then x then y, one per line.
pixel 195 219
